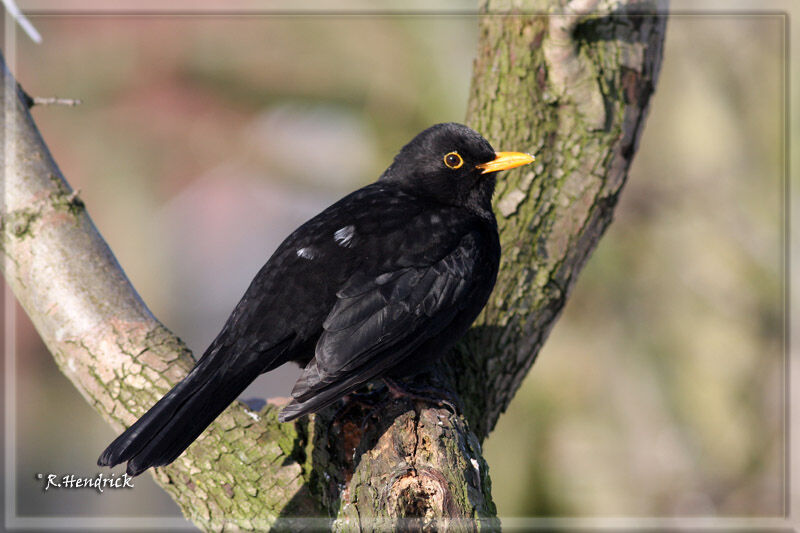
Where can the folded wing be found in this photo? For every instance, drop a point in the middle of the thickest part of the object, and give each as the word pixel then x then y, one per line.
pixel 378 320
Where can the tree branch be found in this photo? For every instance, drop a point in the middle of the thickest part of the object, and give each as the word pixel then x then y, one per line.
pixel 573 88
pixel 536 86
pixel 120 358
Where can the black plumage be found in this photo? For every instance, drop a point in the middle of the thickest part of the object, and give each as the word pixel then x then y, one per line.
pixel 379 284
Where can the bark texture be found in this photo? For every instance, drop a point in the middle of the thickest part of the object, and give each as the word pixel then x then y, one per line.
pixel 572 88
pixel 570 84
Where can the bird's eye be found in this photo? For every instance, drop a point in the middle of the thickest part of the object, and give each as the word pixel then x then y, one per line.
pixel 453 160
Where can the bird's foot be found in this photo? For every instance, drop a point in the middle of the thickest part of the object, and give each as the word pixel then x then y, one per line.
pixel 368 401
pixel 424 393
pixel 375 400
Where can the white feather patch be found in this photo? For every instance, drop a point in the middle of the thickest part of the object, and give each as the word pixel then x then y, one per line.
pixel 344 236
pixel 305 253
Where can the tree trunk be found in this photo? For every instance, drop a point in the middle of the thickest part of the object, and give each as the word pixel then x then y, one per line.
pixel 572 88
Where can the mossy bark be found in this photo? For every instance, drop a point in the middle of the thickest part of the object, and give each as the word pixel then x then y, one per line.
pixel 572 87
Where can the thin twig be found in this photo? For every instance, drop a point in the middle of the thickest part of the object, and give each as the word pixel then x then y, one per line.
pixel 54 100
pixel 22 20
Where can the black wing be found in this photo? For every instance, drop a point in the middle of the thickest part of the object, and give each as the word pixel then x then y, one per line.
pixel 377 321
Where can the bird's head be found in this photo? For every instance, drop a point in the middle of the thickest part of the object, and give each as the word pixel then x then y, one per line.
pixel 453 164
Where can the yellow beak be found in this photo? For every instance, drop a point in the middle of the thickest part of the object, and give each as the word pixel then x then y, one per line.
pixel 505 161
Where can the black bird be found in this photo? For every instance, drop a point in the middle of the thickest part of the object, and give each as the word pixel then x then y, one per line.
pixel 379 284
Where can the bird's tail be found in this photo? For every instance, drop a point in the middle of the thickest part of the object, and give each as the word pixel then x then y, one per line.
pixel 177 419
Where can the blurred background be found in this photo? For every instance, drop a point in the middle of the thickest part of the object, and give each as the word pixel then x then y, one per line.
pixel 202 141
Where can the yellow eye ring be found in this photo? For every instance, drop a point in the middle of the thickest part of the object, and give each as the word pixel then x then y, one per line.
pixel 453 160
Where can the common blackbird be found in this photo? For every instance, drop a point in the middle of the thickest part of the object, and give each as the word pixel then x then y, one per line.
pixel 379 284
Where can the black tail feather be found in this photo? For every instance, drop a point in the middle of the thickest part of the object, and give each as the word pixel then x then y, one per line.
pixel 188 422
pixel 177 419
pixel 133 440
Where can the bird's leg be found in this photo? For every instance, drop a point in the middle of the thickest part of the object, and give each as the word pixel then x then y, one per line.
pixel 425 393
pixel 365 400
pixel 399 390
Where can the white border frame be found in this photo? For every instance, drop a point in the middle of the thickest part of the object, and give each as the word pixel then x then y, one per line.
pixel 788 522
